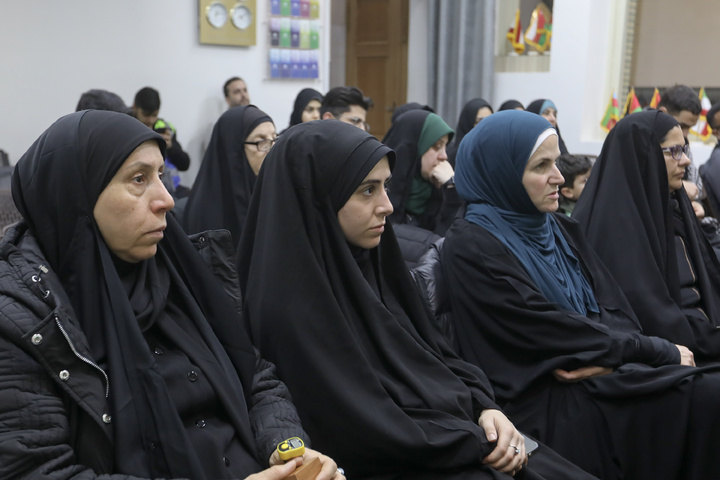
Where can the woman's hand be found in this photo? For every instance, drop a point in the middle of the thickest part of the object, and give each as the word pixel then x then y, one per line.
pixel 698 209
pixel 686 356
pixel 509 453
pixel 276 472
pixel 329 470
pixel 442 172
pixel 580 374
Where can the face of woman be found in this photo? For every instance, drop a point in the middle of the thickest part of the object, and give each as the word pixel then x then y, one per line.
pixel 675 168
pixel 542 179
pixel 362 218
pixel 482 113
pixel 130 212
pixel 311 111
pixel 432 158
pixel 254 154
pixel 550 114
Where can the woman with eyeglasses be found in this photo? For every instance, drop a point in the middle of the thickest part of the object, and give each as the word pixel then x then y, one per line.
pixel 535 308
pixel 240 141
pixel 637 216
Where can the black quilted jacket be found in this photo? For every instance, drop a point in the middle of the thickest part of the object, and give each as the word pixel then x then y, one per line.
pixel 53 407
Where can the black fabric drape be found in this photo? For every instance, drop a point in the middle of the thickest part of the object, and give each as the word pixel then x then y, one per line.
pixel 55 187
pixel 221 192
pixel 301 101
pixel 375 388
pixel 632 422
pixel 466 122
pixel 627 216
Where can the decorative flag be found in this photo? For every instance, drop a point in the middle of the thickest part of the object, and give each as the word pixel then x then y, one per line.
pixel 655 100
pixel 517 40
pixel 540 28
pixel 612 114
pixel 632 104
pixel 701 128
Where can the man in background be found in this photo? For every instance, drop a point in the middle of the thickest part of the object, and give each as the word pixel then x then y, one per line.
pixel 146 108
pixel 236 92
pixel 346 104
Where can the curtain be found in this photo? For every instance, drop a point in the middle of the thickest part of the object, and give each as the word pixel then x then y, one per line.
pixel 461 46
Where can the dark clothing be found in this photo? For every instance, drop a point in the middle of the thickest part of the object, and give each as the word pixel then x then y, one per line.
pixel 604 424
pixel 77 443
pixel 442 203
pixel 529 296
pixel 511 105
pixel 176 155
pixel 107 314
pixel 222 190
pixel 406 107
pixel 629 218
pixel 301 101
pixel 535 107
pixel 374 384
pixel 414 242
pixel 466 122
pixel 710 174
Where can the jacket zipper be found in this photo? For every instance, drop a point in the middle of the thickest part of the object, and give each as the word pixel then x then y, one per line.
pixel 81 357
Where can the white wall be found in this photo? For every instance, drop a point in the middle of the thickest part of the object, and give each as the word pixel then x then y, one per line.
pixel 58 50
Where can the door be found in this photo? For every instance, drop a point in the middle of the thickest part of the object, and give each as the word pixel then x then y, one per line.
pixel 376 56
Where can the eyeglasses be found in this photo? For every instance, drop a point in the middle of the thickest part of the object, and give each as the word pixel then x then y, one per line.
pixel 677 151
pixel 354 121
pixel 263 145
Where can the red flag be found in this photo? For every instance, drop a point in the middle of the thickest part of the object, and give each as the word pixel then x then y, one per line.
pixel 632 104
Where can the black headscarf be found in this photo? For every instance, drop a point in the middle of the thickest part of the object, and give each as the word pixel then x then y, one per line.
pixel 345 326
pixel 510 105
pixel 55 186
pixel 406 107
pixel 537 107
pixel 466 122
pixel 626 211
pixel 221 192
pixel 301 101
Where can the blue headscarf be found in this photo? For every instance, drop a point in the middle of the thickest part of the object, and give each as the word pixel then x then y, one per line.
pixel 488 175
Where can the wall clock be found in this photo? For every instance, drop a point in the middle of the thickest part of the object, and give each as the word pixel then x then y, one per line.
pixel 227 22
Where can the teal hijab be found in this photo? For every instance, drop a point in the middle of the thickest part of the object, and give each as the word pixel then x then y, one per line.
pixel 488 175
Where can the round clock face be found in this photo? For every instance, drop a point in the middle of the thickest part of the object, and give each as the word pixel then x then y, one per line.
pixel 241 17
pixel 216 14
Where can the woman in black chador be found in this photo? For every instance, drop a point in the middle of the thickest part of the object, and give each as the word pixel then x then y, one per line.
pixel 638 218
pixel 220 195
pixel 536 309
pixel 122 354
pixel 306 107
pixel 472 113
pixel 328 297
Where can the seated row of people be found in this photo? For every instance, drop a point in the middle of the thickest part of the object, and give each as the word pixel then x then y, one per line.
pixel 548 333
pixel 126 357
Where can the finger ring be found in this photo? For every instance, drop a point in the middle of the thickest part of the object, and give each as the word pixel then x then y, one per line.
pixel 517 450
pixel 340 471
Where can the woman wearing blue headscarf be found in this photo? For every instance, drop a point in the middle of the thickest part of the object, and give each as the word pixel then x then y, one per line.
pixel 547 109
pixel 537 310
